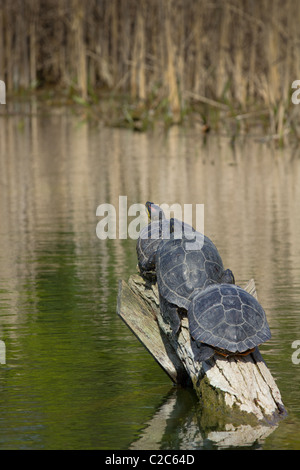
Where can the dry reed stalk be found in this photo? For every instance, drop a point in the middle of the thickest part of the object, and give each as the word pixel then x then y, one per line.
pixel 114 37
pixel 253 58
pixel 200 75
pixel 79 42
pixel 272 56
pixel 138 77
pixel 8 51
pixel 247 49
pixel 170 76
pixel 239 81
pixel 2 58
pixel 60 60
pixel 33 42
pixel 125 26
pixel 180 16
pixel 224 47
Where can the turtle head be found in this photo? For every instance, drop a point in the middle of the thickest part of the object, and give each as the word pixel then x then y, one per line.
pixel 228 277
pixel 154 212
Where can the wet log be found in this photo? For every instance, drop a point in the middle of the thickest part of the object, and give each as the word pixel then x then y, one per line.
pixel 239 388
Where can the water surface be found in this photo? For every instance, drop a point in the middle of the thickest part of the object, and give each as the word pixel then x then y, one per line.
pixel 75 377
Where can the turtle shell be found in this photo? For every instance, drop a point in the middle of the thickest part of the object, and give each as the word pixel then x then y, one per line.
pixel 182 269
pixel 227 317
pixel 150 239
pixel 147 245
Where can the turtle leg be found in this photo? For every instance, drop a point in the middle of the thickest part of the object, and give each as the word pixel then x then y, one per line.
pixel 169 314
pixel 202 352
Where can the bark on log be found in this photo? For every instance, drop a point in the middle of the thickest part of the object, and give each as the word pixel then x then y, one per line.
pixel 240 388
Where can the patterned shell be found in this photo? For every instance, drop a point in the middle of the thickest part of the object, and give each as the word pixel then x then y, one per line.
pixel 181 270
pixel 225 316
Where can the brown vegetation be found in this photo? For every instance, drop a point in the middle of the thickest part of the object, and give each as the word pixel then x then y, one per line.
pixel 236 54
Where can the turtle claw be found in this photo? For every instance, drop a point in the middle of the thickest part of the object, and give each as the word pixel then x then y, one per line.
pixel 203 353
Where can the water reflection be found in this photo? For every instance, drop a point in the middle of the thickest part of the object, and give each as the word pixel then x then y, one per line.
pixel 68 354
pixel 176 425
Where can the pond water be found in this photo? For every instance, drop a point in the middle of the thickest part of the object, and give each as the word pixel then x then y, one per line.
pixel 75 377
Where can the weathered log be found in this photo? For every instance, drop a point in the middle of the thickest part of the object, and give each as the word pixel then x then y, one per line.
pixel 139 315
pixel 240 387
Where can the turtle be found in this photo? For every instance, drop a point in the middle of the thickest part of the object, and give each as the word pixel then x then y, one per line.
pixel 181 270
pixel 158 229
pixel 227 320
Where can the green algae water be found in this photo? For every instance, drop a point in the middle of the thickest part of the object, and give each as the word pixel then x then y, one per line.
pixel 74 376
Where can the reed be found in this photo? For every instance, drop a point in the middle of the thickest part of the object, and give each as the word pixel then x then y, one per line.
pixel 240 53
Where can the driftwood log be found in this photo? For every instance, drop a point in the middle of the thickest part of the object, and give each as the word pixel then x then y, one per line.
pixel 239 389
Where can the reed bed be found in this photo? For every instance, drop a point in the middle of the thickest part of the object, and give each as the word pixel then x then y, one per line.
pixel 237 56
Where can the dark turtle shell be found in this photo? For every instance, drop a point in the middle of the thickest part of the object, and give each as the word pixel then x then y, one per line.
pixel 150 239
pixel 228 318
pixel 147 244
pixel 183 266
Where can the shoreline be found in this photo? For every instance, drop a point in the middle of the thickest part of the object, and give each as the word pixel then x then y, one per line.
pixel 120 111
